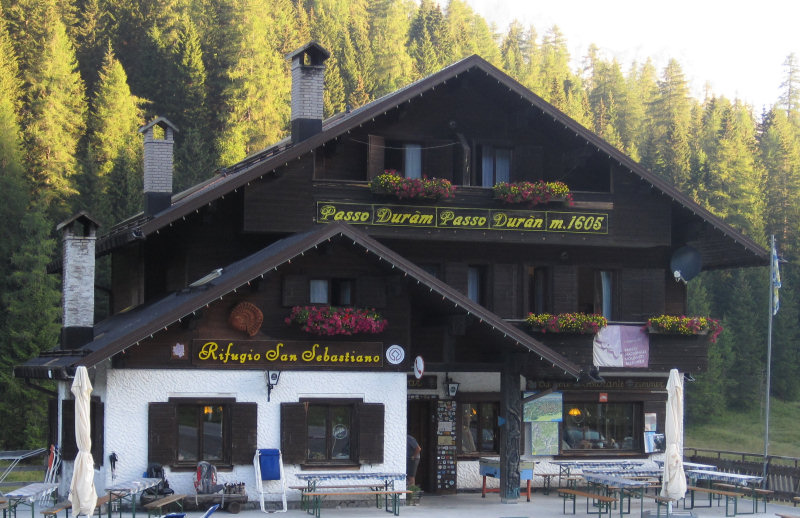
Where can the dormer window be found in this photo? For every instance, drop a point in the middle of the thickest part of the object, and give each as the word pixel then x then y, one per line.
pixel 405 157
pixel 495 165
pixel 337 292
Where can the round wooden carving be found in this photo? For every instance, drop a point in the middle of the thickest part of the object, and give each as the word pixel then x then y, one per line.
pixel 246 317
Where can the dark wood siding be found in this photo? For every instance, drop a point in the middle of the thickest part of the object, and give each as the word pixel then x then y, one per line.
pixel 162 429
pixel 505 290
pixel 375 157
pixel 244 428
pixel 295 290
pixel 370 433
pixel 641 294
pixel 69 449
pixel 371 291
pixel 293 432
pixel 565 286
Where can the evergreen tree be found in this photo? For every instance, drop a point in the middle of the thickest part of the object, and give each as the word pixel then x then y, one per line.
pixel 92 38
pixel 790 95
pixel 779 147
pixel 470 34
pixel 389 23
pixel 428 39
pixel 512 51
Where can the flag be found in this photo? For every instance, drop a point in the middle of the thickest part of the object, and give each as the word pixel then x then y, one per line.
pixel 776 280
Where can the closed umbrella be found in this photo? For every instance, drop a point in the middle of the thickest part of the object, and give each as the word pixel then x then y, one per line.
pixel 82 493
pixel 674 481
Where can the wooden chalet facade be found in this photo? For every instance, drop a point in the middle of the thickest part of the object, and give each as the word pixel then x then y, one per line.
pixel 204 281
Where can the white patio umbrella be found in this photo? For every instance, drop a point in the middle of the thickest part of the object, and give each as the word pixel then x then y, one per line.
pixel 82 493
pixel 674 480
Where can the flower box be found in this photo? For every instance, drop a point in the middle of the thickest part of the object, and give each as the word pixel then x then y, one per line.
pixel 683 325
pixel 393 184
pixel 532 193
pixel 330 321
pixel 579 323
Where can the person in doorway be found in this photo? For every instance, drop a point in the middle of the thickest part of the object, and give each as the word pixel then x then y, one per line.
pixel 413 450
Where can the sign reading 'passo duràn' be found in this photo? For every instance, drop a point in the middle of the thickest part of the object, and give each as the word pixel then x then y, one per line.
pixel 463 218
pixel 260 354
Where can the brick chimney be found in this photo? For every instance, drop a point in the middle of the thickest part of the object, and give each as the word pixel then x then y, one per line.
pixel 158 165
pixel 79 237
pixel 308 83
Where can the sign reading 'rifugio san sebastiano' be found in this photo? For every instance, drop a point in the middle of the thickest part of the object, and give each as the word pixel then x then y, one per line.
pixel 287 354
pixel 416 216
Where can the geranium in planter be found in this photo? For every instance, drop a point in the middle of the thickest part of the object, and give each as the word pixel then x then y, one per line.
pixel 393 184
pixel 531 193
pixel 581 323
pixel 683 325
pixel 330 320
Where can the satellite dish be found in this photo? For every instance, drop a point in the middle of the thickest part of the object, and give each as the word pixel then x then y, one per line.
pixel 685 264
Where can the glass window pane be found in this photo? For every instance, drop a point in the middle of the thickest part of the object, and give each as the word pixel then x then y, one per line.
pixel 319 291
pixel 212 432
pixel 317 424
pixel 487 166
pixel 340 432
pixel 605 280
pixel 474 284
pixel 502 165
pixel 488 418
pixel 187 433
pixel 602 426
pixel 413 161
pixel 469 424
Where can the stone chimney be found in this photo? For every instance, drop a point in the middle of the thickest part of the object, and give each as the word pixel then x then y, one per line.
pixel 158 165
pixel 308 83
pixel 79 237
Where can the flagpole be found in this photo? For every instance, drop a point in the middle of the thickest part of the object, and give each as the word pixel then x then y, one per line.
pixel 772 287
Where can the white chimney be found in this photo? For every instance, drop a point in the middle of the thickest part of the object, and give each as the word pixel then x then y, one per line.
pixel 158 154
pixel 79 237
pixel 308 84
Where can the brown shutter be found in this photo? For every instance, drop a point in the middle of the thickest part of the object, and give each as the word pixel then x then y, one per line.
pixel 504 290
pixel 371 292
pixel 375 158
pixel 52 422
pixel 565 289
pixel 295 290
pixel 370 432
pixel 293 432
pixel 69 448
pixel 97 415
pixel 244 425
pixel 641 293
pixel 162 429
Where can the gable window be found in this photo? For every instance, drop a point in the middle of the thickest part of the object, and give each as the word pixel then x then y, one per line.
pixel 538 290
pixel 602 426
pixel 405 157
pixel 476 284
pixel 495 165
pixel 337 292
pixel 336 432
pixel 478 425
pixel 184 431
pixel 597 292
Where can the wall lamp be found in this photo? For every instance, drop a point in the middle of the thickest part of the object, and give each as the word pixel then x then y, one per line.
pixel 451 386
pixel 272 380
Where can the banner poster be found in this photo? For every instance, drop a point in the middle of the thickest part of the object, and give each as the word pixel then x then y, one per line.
pixel 621 346
pixel 544 409
pixel 544 438
pixel 654 442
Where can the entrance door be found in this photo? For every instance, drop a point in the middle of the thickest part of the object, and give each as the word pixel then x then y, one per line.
pixel 421 426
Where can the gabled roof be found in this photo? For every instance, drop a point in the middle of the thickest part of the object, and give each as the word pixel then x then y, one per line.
pixel 275 157
pixel 123 330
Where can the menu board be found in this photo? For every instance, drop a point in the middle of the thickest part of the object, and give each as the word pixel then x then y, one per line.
pixel 446 447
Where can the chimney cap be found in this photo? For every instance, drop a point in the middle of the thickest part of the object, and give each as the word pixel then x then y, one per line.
pixel 160 121
pixel 81 216
pixel 316 53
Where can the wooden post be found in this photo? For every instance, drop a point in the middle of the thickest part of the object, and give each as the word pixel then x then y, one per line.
pixel 510 430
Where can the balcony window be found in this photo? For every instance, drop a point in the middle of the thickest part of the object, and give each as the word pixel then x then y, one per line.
pixel 495 165
pixel 602 426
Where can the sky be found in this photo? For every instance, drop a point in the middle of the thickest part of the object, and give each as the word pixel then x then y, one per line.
pixel 737 47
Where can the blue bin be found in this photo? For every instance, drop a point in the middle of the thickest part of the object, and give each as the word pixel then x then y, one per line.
pixel 270 462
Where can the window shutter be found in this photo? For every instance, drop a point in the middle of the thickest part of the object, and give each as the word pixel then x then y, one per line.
pixel 504 294
pixel 69 448
pixel 295 290
pixel 162 428
pixel 371 292
pixel 293 432
pixel 375 158
pixel 97 415
pixel 52 422
pixel 370 433
pixel 244 425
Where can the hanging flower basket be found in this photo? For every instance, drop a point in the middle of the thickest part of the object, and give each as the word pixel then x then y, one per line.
pixel 393 184
pixel 682 325
pixel 532 193
pixel 330 321
pixel 580 323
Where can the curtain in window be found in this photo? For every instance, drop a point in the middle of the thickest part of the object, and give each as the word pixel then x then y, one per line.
pixel 605 282
pixel 487 166
pixel 413 161
pixel 319 291
pixel 474 284
pixel 502 165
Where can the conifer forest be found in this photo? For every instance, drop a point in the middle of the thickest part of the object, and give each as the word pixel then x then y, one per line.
pixel 79 77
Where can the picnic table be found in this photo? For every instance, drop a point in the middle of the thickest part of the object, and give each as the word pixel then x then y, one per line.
pixel 28 495
pixel 689 465
pixel 129 490
pixel 491 468
pixel 315 479
pixel 618 485
pixel 565 467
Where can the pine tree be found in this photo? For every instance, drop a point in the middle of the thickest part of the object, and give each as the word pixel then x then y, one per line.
pixel 512 51
pixel 790 96
pixel 428 39
pixel 470 34
pixel 389 23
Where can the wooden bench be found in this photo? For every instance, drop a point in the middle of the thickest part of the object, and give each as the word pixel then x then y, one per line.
pixel 65 505
pixel 756 493
pixel 602 502
pixel 784 515
pixel 795 500
pixel 547 479
pixel 315 498
pixel 662 501
pixel 158 505
pixel 730 496
pixel 304 489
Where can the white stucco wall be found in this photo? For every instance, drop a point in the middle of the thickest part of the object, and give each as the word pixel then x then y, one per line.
pixel 127 392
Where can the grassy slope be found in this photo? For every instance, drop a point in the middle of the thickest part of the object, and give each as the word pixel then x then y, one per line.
pixel 744 431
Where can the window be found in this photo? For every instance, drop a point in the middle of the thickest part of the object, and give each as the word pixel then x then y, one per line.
pixel 404 157
pixel 332 432
pixel 479 432
pixel 337 292
pixel 476 284
pixel 184 431
pixel 69 444
pixel 596 292
pixel 602 426
pixel 495 165
pixel 538 290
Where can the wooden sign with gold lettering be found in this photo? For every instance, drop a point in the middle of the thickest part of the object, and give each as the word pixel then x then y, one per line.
pixel 417 216
pixel 289 354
